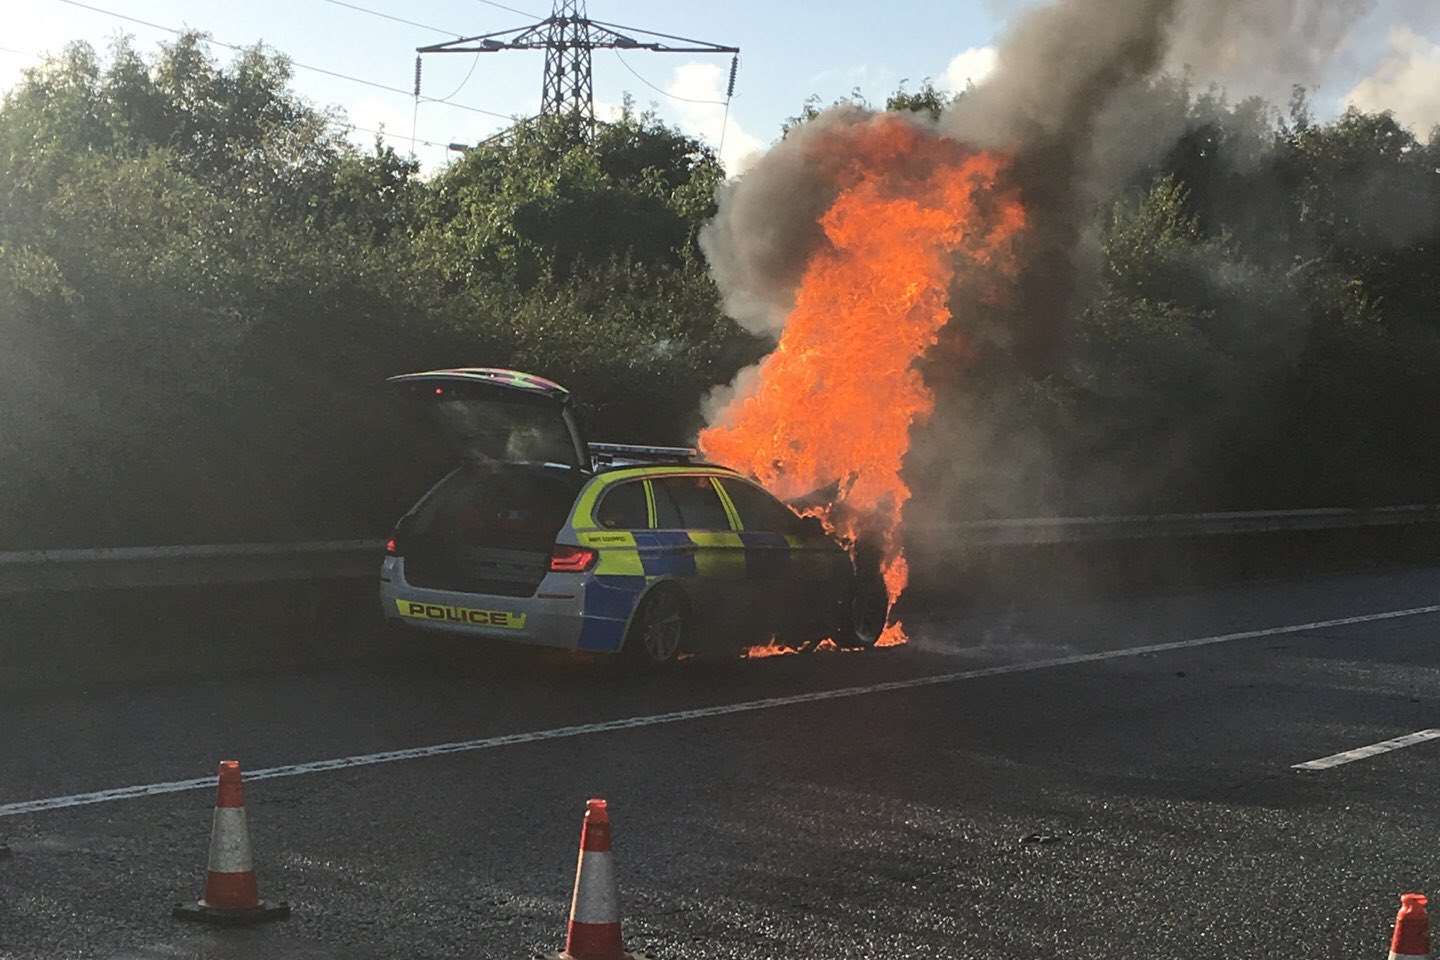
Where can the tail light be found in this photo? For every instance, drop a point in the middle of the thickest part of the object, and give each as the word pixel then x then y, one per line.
pixel 392 547
pixel 567 559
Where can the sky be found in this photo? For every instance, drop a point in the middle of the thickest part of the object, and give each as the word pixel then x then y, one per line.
pixel 789 51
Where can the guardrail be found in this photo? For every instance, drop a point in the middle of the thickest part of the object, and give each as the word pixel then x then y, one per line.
pixel 115 567
pixel 1045 530
pixel 103 568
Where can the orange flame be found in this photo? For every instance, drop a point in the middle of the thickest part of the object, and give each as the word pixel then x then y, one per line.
pixel 836 399
pixel 776 649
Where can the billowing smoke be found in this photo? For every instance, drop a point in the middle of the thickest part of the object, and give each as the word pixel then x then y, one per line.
pixel 1057 103
pixel 1263 47
pixel 1066 108
pixel 769 223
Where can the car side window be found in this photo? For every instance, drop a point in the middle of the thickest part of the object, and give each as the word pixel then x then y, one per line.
pixel 624 508
pixel 667 514
pixel 759 510
pixel 688 503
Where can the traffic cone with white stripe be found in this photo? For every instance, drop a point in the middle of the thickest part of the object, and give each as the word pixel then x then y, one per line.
pixel 594 930
pixel 231 894
pixel 1411 940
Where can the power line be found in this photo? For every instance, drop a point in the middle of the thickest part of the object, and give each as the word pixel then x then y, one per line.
pixel 409 23
pixel 346 124
pixel 424 26
pixel 382 133
pixel 729 95
pixel 492 3
pixel 294 63
pixel 626 64
pixel 468 74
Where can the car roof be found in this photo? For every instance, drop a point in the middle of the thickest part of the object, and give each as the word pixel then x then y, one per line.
pixel 645 471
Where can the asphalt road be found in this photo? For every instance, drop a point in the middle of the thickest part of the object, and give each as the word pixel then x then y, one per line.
pixel 1087 800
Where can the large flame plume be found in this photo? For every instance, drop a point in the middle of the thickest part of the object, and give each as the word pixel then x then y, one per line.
pixel 833 404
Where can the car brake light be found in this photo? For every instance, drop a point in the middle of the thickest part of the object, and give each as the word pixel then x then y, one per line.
pixel 392 547
pixel 566 559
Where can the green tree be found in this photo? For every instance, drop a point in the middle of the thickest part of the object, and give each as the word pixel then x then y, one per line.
pixel 927 100
pixel 205 284
pixel 538 200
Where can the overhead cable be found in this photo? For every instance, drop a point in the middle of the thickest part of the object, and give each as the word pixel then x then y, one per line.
pixel 295 63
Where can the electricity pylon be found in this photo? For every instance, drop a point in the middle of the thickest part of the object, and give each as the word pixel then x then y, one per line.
pixel 568 36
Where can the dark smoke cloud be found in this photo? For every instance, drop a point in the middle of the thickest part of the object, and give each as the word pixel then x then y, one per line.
pixel 1252 47
pixel 1264 47
pixel 1069 103
pixel 1065 100
pixel 1055 68
pixel 1059 102
pixel 768 224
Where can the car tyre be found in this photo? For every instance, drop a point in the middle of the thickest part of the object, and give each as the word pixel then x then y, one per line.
pixel 865 610
pixel 659 631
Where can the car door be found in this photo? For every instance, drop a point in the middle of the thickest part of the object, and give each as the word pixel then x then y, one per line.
pixel 790 563
pixel 488 528
pixel 764 523
pixel 702 550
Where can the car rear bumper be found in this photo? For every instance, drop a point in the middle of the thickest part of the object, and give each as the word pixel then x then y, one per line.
pixel 555 616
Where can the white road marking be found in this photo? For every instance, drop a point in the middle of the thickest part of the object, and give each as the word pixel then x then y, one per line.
pixel 681 716
pixel 1374 750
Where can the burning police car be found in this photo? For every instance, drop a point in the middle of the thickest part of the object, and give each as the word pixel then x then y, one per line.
pixel 539 537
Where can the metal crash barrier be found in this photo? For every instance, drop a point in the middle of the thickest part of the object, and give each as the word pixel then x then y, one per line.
pixel 113 567
pixel 106 568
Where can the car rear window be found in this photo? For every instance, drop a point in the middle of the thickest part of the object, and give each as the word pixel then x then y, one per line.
pixel 624 508
pixel 504 429
pixel 758 510
pixel 688 503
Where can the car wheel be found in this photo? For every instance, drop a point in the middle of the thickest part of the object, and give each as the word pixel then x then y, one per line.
pixel 658 631
pixel 863 618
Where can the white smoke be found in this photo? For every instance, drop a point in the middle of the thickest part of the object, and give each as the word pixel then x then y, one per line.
pixel 1406 82
pixel 968 68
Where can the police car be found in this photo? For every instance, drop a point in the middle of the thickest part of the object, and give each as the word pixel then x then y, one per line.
pixel 539 537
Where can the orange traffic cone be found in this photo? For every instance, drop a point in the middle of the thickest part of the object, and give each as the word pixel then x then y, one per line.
pixel 1411 940
pixel 594 930
pixel 231 895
